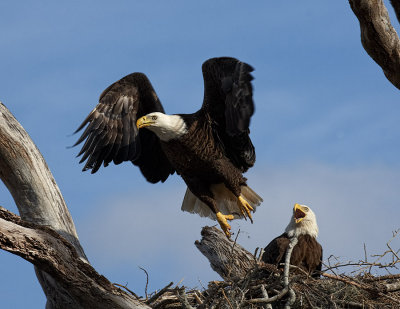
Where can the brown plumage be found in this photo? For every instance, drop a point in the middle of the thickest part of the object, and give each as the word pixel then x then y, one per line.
pixel 307 254
pixel 210 149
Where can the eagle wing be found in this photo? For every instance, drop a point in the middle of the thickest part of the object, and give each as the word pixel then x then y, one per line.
pixel 111 133
pixel 274 252
pixel 228 100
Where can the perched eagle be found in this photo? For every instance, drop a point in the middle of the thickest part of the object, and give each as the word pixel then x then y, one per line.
pixel 210 149
pixel 307 254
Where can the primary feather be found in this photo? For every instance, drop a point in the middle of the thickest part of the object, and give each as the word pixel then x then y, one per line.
pixel 209 147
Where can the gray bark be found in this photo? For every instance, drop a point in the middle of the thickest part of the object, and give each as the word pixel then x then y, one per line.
pixel 227 258
pixel 378 36
pixel 40 204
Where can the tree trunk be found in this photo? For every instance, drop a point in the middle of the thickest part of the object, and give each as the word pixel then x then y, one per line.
pixel 48 223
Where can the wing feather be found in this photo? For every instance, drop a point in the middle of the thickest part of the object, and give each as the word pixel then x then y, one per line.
pixel 111 133
pixel 228 100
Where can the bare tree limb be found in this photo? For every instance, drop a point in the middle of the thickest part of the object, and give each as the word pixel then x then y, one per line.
pixel 52 253
pixel 46 235
pixel 292 294
pixel 270 299
pixel 378 36
pixel 29 180
pixel 226 257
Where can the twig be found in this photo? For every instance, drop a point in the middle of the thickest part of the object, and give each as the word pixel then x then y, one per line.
pixel 126 288
pixel 306 273
pixel 158 294
pixel 265 295
pixel 198 299
pixel 364 287
pixel 183 299
pixel 226 298
pixel 147 281
pixel 234 243
pixel 348 281
pixel 365 253
pixel 260 255
pixel 270 299
pixel 292 298
pixel 180 281
pixel 350 304
pixel 383 278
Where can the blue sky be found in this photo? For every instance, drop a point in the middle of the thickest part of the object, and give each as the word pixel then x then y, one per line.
pixel 325 129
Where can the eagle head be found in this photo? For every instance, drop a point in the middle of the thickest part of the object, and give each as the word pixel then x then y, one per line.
pixel 166 127
pixel 303 221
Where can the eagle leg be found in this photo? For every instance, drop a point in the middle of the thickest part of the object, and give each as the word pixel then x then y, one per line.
pixel 222 220
pixel 245 208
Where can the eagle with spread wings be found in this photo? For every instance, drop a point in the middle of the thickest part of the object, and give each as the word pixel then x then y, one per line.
pixel 210 149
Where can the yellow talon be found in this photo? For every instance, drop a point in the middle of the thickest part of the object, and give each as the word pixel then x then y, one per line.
pixel 245 208
pixel 222 220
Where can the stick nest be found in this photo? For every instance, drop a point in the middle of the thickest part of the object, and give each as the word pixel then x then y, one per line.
pixel 263 287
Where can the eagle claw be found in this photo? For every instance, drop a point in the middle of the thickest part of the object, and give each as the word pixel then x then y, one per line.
pixel 245 208
pixel 222 220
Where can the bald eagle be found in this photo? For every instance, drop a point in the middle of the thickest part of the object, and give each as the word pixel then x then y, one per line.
pixel 210 149
pixel 307 254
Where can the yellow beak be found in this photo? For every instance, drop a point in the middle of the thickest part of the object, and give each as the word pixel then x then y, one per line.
pixel 143 122
pixel 299 213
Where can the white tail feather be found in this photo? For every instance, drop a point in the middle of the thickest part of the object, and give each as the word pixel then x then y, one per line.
pixel 226 202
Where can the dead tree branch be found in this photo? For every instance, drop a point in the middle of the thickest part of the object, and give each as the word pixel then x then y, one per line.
pixel 292 295
pixel 46 235
pixel 55 255
pixel 378 36
pixel 226 257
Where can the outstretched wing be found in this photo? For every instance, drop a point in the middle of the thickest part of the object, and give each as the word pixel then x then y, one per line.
pixel 112 135
pixel 228 99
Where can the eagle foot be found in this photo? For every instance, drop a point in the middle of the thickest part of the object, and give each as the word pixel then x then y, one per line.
pixel 222 220
pixel 245 208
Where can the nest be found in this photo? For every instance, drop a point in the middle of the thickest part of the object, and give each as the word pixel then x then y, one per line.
pixel 255 284
pixel 263 288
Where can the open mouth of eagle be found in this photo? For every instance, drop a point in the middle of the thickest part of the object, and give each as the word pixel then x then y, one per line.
pixel 299 214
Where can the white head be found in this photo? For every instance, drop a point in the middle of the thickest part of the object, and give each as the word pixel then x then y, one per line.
pixel 166 127
pixel 303 222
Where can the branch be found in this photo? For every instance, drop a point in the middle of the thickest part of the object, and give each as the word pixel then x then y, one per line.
pixel 267 300
pixel 227 258
pixel 46 235
pixel 53 254
pixel 370 289
pixel 29 180
pixel 378 36
pixel 183 298
pixel 292 295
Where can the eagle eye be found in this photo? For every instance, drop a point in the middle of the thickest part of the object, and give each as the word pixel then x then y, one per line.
pixel 153 117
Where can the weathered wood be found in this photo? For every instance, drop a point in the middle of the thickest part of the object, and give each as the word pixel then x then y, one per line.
pixel 378 36
pixel 53 254
pixel 38 198
pixel 227 258
pixel 29 180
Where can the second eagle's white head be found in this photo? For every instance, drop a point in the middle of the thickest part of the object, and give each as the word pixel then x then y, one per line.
pixel 303 222
pixel 166 127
